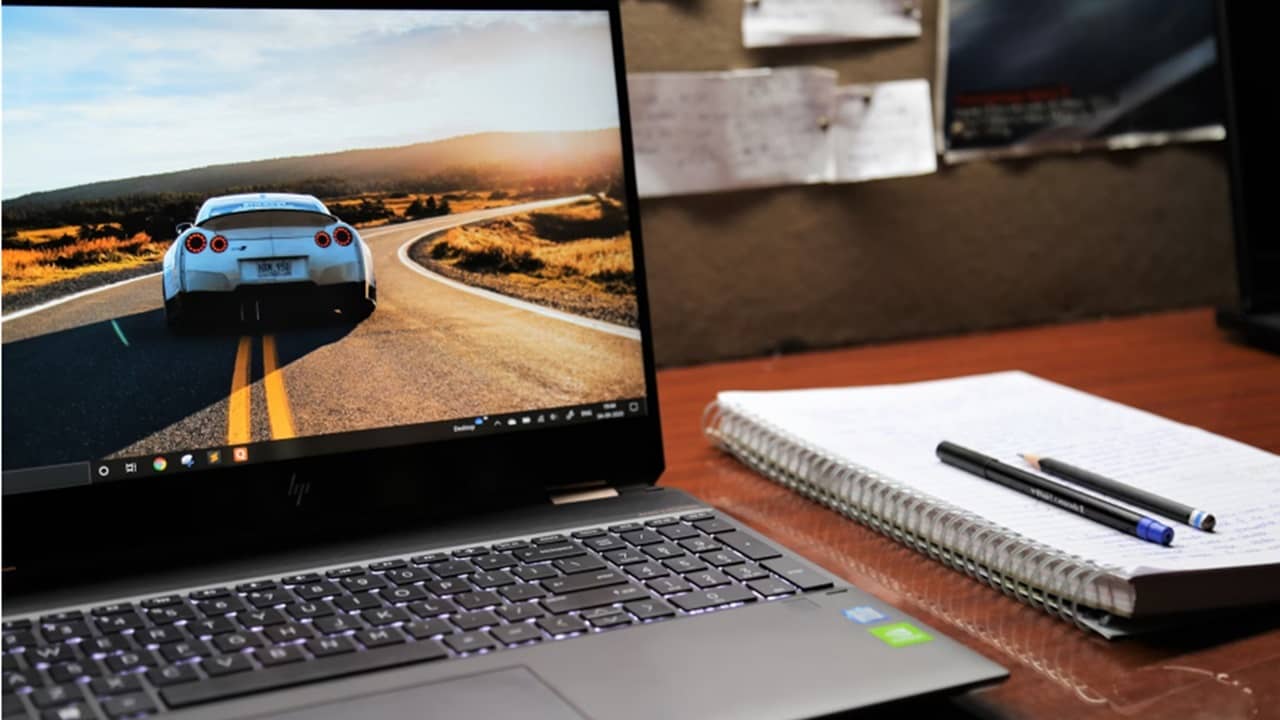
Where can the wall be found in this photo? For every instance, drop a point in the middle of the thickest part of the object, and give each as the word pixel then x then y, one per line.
pixel 976 246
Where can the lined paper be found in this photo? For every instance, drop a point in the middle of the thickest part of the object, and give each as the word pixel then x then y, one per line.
pixel 806 22
pixel 894 430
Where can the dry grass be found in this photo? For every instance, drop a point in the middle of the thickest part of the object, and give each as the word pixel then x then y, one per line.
pixel 577 258
pixel 24 269
pixel 459 202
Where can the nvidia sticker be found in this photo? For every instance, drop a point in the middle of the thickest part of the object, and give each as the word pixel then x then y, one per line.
pixel 900 634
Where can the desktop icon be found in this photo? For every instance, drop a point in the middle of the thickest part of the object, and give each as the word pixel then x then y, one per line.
pixel 568 415
pixel 104 470
pixel 159 464
pixel 525 420
pixel 240 454
pixel 633 406
pixel 188 461
pixel 554 417
pixel 542 418
pixel 131 467
pixel 511 421
pixel 213 456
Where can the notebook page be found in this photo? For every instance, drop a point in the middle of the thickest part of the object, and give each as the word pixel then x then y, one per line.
pixel 894 429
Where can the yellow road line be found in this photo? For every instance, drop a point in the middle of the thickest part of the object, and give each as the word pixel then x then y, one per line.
pixel 277 398
pixel 238 428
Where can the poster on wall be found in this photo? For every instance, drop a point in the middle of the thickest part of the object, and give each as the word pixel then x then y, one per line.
pixel 1023 77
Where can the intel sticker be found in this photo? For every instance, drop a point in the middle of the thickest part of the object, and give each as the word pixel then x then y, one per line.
pixel 865 614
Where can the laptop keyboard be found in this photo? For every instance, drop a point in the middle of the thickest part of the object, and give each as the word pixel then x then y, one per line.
pixel 139 658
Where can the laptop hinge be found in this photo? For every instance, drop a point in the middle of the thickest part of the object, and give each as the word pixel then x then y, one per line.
pixel 582 493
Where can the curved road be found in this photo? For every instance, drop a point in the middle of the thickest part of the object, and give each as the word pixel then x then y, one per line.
pixel 101 375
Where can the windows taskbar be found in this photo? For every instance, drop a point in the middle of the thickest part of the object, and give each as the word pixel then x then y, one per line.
pixel 177 462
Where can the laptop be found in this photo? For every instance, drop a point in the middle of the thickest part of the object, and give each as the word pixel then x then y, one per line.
pixel 329 390
pixel 1251 146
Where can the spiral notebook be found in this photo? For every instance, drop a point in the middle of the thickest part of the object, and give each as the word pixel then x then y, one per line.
pixel 868 452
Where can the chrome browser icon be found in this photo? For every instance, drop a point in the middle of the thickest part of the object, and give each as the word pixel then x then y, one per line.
pixel 159 464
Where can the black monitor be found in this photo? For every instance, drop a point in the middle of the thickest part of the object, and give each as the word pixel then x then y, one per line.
pixel 1251 137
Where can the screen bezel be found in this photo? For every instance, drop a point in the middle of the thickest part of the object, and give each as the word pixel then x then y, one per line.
pixel 167 520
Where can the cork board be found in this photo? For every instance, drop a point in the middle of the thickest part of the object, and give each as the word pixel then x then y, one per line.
pixel 976 246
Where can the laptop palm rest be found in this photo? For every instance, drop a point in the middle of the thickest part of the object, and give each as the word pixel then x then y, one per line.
pixel 500 693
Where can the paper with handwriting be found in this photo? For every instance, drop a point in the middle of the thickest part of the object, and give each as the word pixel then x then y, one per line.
pixel 809 22
pixel 718 131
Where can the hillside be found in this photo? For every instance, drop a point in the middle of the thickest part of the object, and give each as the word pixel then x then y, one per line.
pixel 492 159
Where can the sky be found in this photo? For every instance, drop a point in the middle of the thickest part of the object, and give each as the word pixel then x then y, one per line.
pixel 94 94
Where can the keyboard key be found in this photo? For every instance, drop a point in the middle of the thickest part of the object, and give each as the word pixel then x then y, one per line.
pixel 127 661
pixel 660 522
pixel 707 578
pixel 607 617
pixel 649 609
pixel 255 586
pixel 71 671
pixel 640 538
pixel 61 632
pixel 587 581
pixel 304 610
pixel 172 675
pixel 408 575
pixel 106 644
pixel 16 624
pixel 469 642
pixel 625 556
pixel 161 601
pixel 495 562
pixel 385 616
pixel 383 565
pixel 573 565
pixel 561 625
pixel 380 637
pixel 521 611
pixel 429 558
pixel 112 609
pixel 604 543
pixel 531 573
pixel 56 695
pixel 210 626
pixel 663 551
pixel 226 664
pixel 261 618
pixel 697 516
pixel 522 591
pixel 722 558
pixel 115 685
pixel 516 634
pixel 647 571
pixel 160 635
pixel 361 583
pixel 327 646
pixel 593 598
pixel 422 629
pixel 270 597
pixel 16 680
pixel 625 527
pixel 288 633
pixel 432 608
pixel 543 553
pixel 475 620
pixel 363 601
pixel 49 654
pixel 452 568
pixel 589 533
pixel 300 578
pixel 345 572
pixel 668 585
pixel 470 552
pixel 677 532
pixel 405 594
pixel 510 545
pixel 477 600
pixel 236 641
pixel 771 586
pixel 209 593
pixel 74 711
pixel 684 564
pixel 699 545
pixel 338 624
pixel 746 545
pixel 127 705
pixel 284 676
pixel 744 573
pixel 713 526
pixel 171 614
pixel 317 590
pixel 797 574
pixel 495 579
pixel 450 586
pixel 18 639
pixel 549 539
pixel 279 655
pixel 173 652
pixel 703 599
pixel 61 617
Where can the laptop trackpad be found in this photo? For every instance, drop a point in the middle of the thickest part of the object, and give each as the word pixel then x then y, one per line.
pixel 502 693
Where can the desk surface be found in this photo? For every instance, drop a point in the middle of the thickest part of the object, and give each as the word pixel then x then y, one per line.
pixel 1177 365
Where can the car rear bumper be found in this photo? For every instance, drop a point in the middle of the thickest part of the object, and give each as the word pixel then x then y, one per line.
pixel 225 281
pixel 252 302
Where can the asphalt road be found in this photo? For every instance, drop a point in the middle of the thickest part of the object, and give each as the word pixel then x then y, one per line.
pixel 102 376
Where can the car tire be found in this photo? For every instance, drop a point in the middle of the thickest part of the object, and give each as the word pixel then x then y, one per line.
pixel 362 307
pixel 174 318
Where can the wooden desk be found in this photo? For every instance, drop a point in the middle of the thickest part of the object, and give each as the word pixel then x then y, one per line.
pixel 1178 365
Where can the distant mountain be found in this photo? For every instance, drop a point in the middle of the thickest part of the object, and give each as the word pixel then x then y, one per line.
pixel 487 158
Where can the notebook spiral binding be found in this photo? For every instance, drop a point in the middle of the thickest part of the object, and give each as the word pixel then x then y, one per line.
pixel 1066 586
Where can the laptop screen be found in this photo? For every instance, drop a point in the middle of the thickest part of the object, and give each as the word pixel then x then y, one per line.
pixel 237 236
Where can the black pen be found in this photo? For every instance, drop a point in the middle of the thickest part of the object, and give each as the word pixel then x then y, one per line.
pixel 1099 511
pixel 1136 496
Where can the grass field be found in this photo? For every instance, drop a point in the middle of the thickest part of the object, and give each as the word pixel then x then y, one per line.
pixel 576 258
pixel 51 258
pixel 460 201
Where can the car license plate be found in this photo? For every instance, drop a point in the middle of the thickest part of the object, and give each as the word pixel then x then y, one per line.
pixel 286 269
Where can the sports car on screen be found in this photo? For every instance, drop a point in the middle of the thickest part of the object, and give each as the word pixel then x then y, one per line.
pixel 248 257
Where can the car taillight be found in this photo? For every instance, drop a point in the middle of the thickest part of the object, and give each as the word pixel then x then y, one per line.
pixel 218 244
pixel 342 236
pixel 322 239
pixel 195 243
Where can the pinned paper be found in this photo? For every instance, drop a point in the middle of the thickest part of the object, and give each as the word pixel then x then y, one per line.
pixel 808 22
pixel 883 130
pixel 708 131
pixel 718 131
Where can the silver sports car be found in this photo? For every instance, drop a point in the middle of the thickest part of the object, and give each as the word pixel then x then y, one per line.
pixel 246 254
